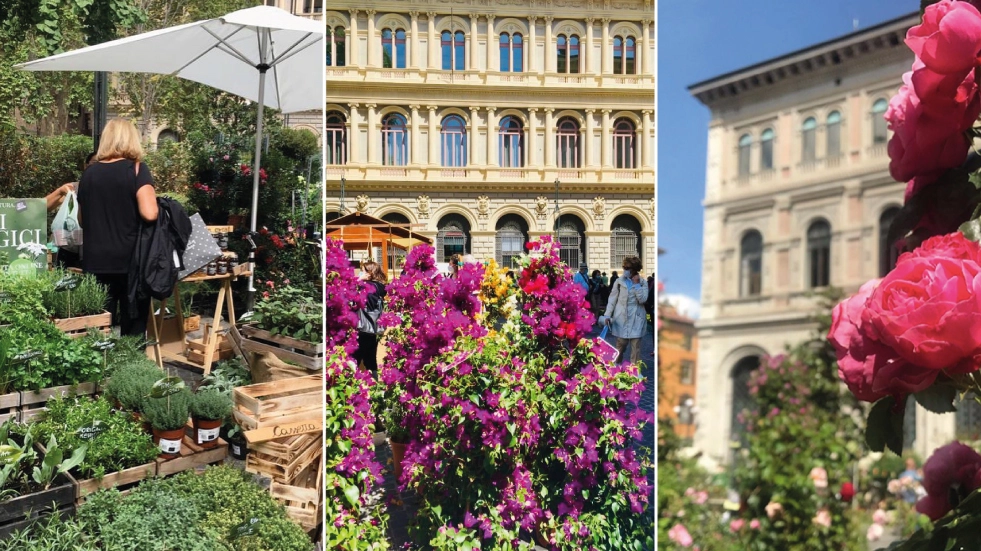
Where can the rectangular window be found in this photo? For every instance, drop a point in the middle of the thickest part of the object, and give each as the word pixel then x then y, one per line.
pixel 687 372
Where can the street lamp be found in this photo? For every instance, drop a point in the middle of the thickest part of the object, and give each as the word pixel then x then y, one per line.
pixel 341 209
pixel 558 215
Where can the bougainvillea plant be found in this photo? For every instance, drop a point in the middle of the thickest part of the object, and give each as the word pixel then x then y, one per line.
pixel 344 297
pixel 916 333
pixel 521 431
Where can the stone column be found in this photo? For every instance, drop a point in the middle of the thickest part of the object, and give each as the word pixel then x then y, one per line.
pixel 605 136
pixel 353 133
pixel 587 145
pixel 472 140
pixel 472 38
pixel 414 40
pixel 433 137
pixel 373 134
pixel 644 153
pixel 352 40
pixel 532 140
pixel 530 46
pixel 414 145
pixel 642 68
pixel 549 48
pixel 371 38
pixel 584 61
pixel 491 137
pixel 549 138
pixel 433 44
pixel 493 45
pixel 605 64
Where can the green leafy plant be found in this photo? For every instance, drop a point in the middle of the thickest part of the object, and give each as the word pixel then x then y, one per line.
pixel 168 413
pixel 21 298
pixel 50 534
pixel 130 383
pixel 211 405
pixel 60 360
pixel 226 376
pixel 54 463
pixel 291 312
pixel 87 298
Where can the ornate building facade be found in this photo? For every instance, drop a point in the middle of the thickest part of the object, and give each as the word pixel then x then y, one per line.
pixel 798 197
pixel 486 123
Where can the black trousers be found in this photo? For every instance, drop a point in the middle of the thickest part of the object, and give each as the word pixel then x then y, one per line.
pixel 117 304
pixel 367 351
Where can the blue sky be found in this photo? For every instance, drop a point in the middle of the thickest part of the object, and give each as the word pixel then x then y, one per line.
pixel 701 39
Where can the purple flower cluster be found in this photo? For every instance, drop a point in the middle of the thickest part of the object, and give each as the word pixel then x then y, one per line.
pixel 345 297
pixel 554 307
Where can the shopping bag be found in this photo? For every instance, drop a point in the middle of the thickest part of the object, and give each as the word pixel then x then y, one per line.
pixel 604 350
pixel 65 230
pixel 202 248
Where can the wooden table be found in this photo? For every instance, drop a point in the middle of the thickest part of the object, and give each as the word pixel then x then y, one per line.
pixel 176 349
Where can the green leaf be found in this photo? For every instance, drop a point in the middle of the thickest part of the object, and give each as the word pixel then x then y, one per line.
pixel 352 493
pixel 938 398
pixel 885 428
pixel 971 230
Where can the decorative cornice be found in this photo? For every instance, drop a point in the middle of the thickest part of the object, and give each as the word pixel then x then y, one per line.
pixel 414 14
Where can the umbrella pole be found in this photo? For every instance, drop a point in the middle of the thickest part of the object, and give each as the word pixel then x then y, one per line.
pixel 262 67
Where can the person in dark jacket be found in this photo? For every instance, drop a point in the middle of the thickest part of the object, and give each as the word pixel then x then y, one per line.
pixel 374 278
pixel 116 199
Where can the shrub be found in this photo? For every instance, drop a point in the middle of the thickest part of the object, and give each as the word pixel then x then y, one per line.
pixel 63 360
pixel 211 405
pixel 131 383
pixel 168 413
pixel 88 299
pixel 23 298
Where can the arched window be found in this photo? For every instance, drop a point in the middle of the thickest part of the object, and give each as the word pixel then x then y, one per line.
pixel 751 264
pixel 833 128
pixel 766 149
pixel 742 400
pixel 452 237
pixel 567 50
pixel 336 41
pixel 335 137
pixel 396 255
pixel 167 136
pixel 395 141
pixel 454 139
pixel 453 47
pixel 624 55
pixel 808 140
pixel 624 239
pixel 624 138
pixel 879 133
pixel 745 147
pixel 393 48
pixel 512 137
pixel 512 234
pixel 567 143
pixel 572 239
pixel 888 252
pixel 512 49
pixel 819 253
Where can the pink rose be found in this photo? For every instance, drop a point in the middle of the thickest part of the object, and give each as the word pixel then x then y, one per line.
pixel 736 525
pixel 879 516
pixel 773 509
pixel 870 369
pixel 875 532
pixel 754 524
pixel 823 518
pixel 926 309
pixel 954 467
pixel 679 534
pixel 949 38
pixel 819 477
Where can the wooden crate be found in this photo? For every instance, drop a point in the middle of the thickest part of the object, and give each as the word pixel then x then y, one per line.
pixel 197 348
pixel 20 512
pixel 192 456
pixel 307 354
pixel 284 470
pixel 9 406
pixel 295 400
pixel 303 499
pixel 32 403
pixel 287 449
pixel 77 327
pixel 121 480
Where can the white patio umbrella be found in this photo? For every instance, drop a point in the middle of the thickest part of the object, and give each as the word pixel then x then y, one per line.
pixel 234 53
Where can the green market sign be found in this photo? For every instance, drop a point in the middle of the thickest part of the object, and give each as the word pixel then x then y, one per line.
pixel 23 233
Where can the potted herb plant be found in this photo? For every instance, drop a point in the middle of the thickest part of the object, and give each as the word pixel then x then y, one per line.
pixel 209 408
pixel 129 386
pixel 289 323
pixel 236 441
pixel 76 302
pixel 167 409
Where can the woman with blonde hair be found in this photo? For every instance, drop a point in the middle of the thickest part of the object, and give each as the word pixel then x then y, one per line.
pixel 116 198
pixel 375 278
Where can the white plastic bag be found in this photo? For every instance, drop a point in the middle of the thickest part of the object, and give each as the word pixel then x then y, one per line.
pixel 65 230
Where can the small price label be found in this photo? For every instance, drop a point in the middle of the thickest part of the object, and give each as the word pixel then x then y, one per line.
pixel 170 446
pixel 91 431
pixel 102 346
pixel 247 528
pixel 5 297
pixel 167 386
pixel 67 283
pixel 27 356
pixel 207 435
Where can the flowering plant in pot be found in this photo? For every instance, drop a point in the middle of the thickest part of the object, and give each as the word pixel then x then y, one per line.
pixel 209 408
pixel 913 335
pixel 167 409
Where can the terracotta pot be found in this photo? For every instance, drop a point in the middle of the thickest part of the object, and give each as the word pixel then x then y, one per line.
pixel 398 454
pixel 206 432
pixel 138 417
pixel 169 442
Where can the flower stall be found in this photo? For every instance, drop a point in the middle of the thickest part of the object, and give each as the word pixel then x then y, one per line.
pixel 360 232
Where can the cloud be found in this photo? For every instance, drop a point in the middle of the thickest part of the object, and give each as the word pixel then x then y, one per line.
pixel 684 304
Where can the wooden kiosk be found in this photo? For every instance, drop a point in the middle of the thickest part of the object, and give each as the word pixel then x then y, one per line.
pixel 361 232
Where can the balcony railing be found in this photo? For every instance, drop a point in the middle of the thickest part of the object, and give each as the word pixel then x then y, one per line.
pixel 435 173
pixel 473 77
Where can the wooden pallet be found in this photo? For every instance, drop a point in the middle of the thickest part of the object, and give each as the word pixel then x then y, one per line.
pixel 192 456
pixel 20 512
pixel 32 403
pixel 283 470
pixel 197 348
pixel 310 355
pixel 283 402
pixel 9 406
pixel 79 326
pixel 121 480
